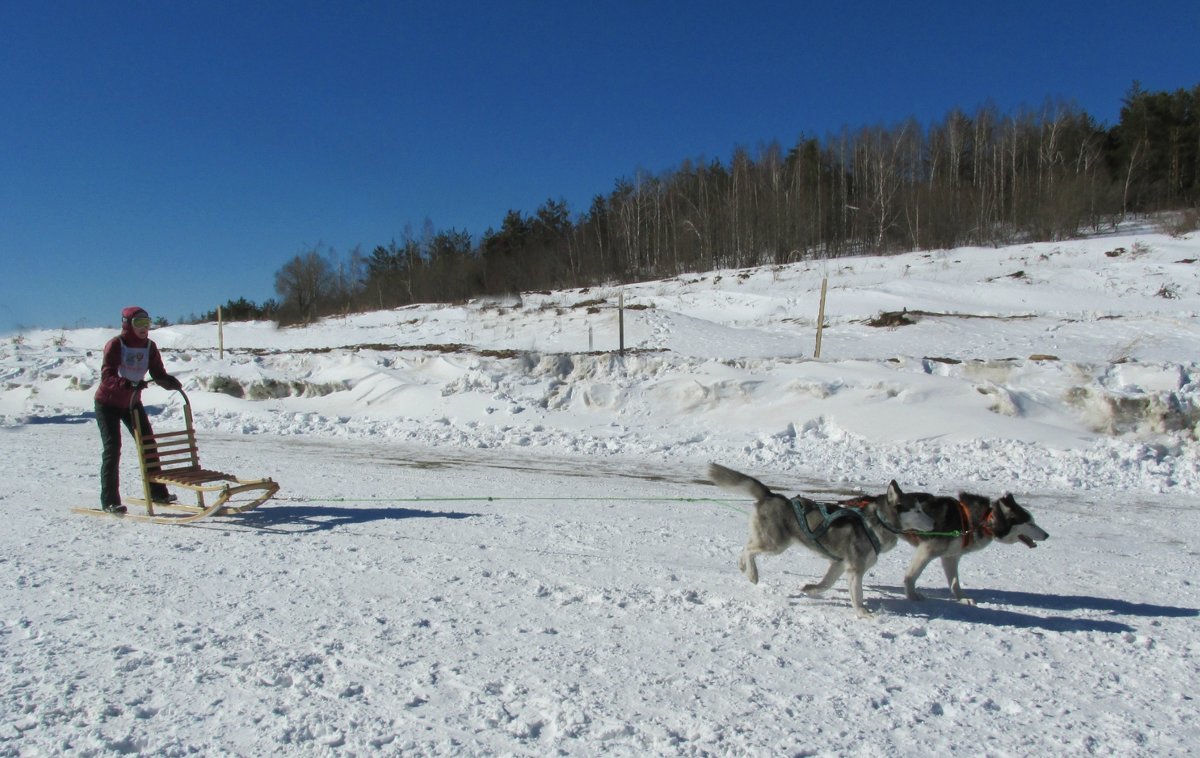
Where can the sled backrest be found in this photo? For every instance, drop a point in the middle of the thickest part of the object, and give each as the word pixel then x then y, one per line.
pixel 165 453
pixel 171 452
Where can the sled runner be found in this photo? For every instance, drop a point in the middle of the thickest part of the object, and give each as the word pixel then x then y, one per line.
pixel 172 459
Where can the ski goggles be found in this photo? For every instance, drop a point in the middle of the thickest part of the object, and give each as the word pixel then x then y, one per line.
pixel 141 322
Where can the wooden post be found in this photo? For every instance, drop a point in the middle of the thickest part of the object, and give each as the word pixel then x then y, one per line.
pixel 821 317
pixel 220 335
pixel 621 321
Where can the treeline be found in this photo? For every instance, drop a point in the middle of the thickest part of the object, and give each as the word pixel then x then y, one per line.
pixel 981 178
pixel 240 310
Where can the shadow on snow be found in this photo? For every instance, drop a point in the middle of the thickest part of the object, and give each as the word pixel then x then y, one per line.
pixel 943 606
pixel 315 518
pixel 84 417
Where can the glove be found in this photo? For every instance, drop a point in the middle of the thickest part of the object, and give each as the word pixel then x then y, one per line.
pixel 170 383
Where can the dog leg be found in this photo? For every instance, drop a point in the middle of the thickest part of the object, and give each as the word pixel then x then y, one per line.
pixel 919 561
pixel 747 565
pixel 855 580
pixel 836 568
pixel 950 566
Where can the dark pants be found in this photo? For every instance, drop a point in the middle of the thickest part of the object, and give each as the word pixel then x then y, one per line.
pixel 110 420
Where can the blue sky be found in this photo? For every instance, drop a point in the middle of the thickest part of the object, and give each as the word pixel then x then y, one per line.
pixel 177 154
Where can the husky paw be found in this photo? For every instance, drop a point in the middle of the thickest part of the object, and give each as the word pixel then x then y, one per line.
pixel 748 567
pixel 966 601
pixel 812 590
pixel 864 613
pixel 914 595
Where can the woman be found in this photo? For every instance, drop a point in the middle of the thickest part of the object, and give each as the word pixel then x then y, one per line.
pixel 128 357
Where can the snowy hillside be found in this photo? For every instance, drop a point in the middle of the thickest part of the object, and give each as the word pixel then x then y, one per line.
pixel 1073 361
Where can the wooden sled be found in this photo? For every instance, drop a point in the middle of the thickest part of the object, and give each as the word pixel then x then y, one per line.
pixel 173 459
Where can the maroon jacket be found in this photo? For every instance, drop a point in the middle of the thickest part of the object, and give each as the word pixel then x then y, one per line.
pixel 116 390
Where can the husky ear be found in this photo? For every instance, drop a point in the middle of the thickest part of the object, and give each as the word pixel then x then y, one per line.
pixel 1002 515
pixel 894 493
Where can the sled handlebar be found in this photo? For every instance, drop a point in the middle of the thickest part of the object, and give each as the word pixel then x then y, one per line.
pixel 137 395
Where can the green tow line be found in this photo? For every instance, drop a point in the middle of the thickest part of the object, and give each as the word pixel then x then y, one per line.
pixel 495 499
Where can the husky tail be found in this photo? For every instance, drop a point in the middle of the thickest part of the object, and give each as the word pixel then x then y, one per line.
pixel 727 478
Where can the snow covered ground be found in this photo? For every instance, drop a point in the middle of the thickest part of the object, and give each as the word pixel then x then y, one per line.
pixel 494 535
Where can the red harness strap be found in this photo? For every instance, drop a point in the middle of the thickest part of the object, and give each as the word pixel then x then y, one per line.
pixel 968 531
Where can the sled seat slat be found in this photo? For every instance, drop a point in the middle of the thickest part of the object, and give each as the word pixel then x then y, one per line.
pixel 168 459
pixel 176 433
pixel 190 477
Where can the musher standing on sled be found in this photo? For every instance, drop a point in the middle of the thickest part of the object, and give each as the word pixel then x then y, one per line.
pixel 127 359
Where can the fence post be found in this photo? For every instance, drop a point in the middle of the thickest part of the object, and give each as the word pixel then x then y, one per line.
pixel 821 317
pixel 220 335
pixel 621 321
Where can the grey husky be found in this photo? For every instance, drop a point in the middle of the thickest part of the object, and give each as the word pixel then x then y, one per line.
pixel 852 542
pixel 977 520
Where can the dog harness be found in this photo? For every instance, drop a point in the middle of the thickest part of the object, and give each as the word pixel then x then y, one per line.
pixel 853 509
pixel 968 530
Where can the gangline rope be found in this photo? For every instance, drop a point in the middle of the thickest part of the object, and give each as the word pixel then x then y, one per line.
pixel 494 498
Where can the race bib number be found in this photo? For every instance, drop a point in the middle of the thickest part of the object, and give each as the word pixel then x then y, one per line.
pixel 135 362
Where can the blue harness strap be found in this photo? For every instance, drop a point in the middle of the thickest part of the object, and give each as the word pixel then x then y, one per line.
pixel 803 507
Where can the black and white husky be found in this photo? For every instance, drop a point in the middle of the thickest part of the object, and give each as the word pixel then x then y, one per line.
pixel 976 521
pixel 852 538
